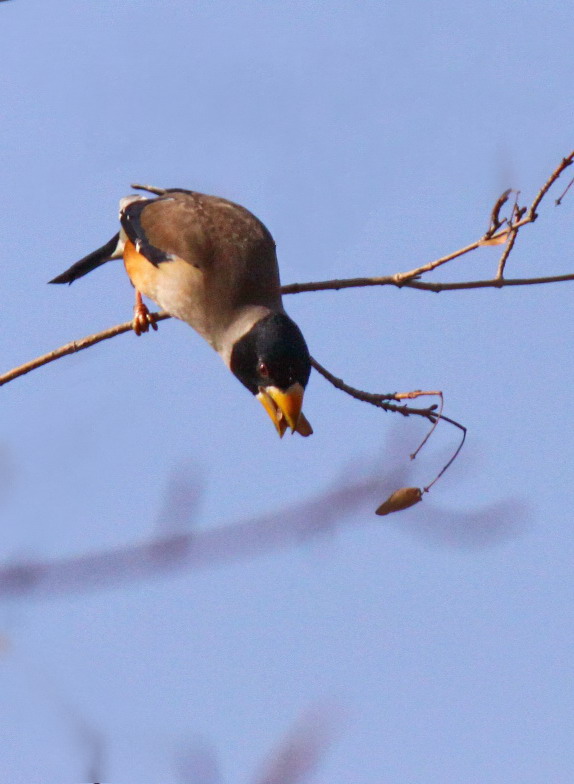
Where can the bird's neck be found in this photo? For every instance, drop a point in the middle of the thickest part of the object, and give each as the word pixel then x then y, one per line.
pixel 243 322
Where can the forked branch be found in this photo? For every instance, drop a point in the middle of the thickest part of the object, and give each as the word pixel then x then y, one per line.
pixel 501 231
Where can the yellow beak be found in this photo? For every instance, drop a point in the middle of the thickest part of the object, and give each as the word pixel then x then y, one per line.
pixel 284 409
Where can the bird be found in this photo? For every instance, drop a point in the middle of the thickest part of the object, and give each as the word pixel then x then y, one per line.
pixel 211 263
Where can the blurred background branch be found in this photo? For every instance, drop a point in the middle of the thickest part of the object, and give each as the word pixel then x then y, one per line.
pixel 348 500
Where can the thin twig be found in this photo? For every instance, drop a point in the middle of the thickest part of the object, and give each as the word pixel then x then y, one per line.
pixel 495 222
pixel 389 280
pixel 73 347
pixel 455 455
pixel 488 284
pixel 402 277
pixel 512 235
pixel 432 428
pixel 375 399
pixel 558 201
pixel 381 401
pixel 532 215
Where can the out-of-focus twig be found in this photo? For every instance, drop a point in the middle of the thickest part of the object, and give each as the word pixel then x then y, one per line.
pixel 197 763
pixel 300 752
pixel 349 499
pixel 292 762
pixel 193 550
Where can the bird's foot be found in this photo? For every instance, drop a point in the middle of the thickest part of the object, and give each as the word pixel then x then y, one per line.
pixel 143 319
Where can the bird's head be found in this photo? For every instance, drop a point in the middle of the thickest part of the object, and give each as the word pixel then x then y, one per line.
pixel 272 360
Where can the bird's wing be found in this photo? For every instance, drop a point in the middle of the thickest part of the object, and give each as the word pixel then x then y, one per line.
pixel 131 221
pixel 197 228
pixel 230 250
pixel 174 226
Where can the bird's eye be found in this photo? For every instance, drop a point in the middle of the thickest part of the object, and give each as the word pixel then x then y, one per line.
pixel 263 370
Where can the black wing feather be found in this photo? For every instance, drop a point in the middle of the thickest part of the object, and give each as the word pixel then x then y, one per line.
pixel 130 218
pixel 89 262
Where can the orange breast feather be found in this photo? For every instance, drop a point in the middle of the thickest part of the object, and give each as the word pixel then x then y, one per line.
pixel 142 273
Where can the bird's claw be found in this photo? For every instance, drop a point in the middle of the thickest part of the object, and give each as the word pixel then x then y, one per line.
pixel 143 319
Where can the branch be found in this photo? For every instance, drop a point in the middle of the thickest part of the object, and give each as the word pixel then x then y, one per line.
pixel 382 401
pixel 512 235
pixel 409 279
pixel 495 235
pixel 564 164
pixel 495 221
pixel 293 288
pixel 73 347
pixel 391 280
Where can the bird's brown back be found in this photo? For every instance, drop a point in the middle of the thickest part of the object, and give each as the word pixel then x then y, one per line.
pixel 231 247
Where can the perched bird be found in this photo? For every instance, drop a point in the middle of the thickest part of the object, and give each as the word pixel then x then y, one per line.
pixel 212 263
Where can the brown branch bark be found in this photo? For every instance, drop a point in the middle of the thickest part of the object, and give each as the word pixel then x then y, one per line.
pixel 564 164
pixel 513 234
pixel 380 400
pixel 509 233
pixel 391 280
pixel 72 348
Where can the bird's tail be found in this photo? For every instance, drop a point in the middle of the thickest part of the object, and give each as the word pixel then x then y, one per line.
pixel 111 250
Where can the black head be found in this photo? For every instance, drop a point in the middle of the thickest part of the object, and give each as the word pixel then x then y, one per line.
pixel 272 354
pixel 272 360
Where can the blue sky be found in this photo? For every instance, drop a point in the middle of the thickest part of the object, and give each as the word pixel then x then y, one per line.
pixel 369 137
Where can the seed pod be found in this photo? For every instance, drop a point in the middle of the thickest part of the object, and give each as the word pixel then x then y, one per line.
pixel 400 499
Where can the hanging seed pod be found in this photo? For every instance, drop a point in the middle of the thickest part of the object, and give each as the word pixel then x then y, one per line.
pixel 400 499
